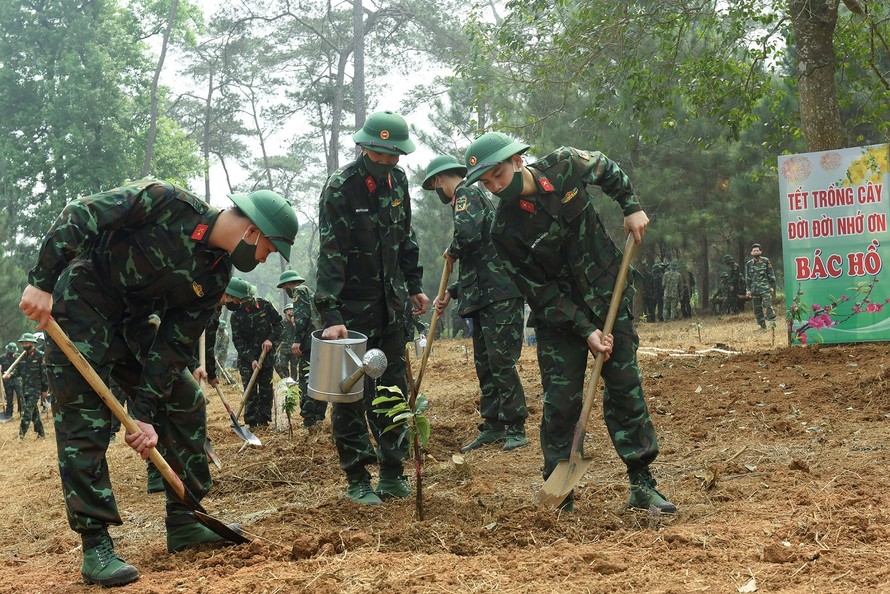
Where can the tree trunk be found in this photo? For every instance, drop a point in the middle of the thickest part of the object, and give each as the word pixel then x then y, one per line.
pixel 153 120
pixel 208 117
pixel 820 118
pixel 358 79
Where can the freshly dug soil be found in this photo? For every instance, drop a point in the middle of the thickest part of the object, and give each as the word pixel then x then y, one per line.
pixel 774 456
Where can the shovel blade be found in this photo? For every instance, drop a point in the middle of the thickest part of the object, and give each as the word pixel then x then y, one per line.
pixel 220 528
pixel 246 434
pixel 565 476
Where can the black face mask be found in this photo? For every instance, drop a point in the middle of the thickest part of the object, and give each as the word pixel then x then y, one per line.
pixel 443 197
pixel 292 293
pixel 378 170
pixel 232 306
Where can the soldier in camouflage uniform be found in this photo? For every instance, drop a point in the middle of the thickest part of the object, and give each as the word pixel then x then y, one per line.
pixel 673 284
pixel 735 287
pixel 108 261
pixel 221 351
pixel 687 291
pixel 313 411
pixel 367 265
pixel 256 328
pixel 285 362
pixel 300 344
pixel 760 279
pixel 13 387
pixel 31 374
pixel 553 245
pixel 490 299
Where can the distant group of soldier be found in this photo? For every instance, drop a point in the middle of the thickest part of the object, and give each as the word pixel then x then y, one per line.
pixel 668 289
pixel 25 383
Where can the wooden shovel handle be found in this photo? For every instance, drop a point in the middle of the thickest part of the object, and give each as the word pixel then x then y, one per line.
pixel 443 284
pixel 16 362
pixel 86 370
pixel 250 384
pixel 617 294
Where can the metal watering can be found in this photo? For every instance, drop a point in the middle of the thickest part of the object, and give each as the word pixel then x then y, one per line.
pixel 336 366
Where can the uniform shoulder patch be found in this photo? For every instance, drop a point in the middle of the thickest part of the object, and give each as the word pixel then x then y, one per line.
pixel 461 203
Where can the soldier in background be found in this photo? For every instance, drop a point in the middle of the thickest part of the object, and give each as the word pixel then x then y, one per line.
pixel 687 291
pixel 367 264
pixel 13 387
pixel 735 287
pixel 549 268
pixel 222 343
pixel 31 374
pixel 256 329
pixel 719 297
pixel 486 295
pixel 673 284
pixel 305 323
pixel 760 279
pixel 658 270
pixel 285 361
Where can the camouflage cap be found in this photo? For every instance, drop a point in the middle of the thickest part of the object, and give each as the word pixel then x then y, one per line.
pixel 440 164
pixel 289 276
pixel 488 150
pixel 385 132
pixel 272 215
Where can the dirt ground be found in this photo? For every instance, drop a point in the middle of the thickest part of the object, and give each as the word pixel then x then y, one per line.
pixel 772 454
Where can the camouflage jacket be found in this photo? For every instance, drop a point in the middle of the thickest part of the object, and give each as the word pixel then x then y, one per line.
pixel 735 282
pixel 303 321
pixel 221 349
pixel 672 282
pixel 31 372
pixel 553 243
pixel 368 253
pixel 482 279
pixel 129 252
pixel 253 323
pixel 760 276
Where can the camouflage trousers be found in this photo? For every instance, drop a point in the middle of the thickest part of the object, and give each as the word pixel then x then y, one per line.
pixel 761 302
pixel 313 411
pixel 13 395
pixel 258 410
pixel 671 308
pixel 286 363
pixel 497 345
pixel 563 360
pixel 83 429
pixel 352 421
pixel 31 413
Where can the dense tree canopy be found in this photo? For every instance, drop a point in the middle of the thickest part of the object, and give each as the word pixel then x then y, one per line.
pixel 694 99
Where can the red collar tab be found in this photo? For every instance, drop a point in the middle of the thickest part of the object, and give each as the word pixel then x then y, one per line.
pixel 370 183
pixel 545 184
pixel 527 206
pixel 199 232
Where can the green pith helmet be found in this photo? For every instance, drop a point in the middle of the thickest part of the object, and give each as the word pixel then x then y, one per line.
pixel 288 306
pixel 238 288
pixel 724 275
pixel 223 324
pixel 385 132
pixel 252 291
pixel 12 348
pixel 274 217
pixel 440 164
pixel 289 276
pixel 674 266
pixel 27 337
pixel 487 151
pixel 727 259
